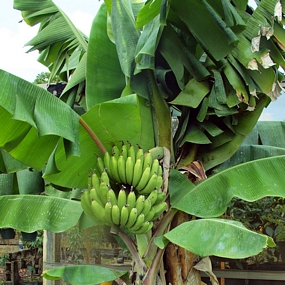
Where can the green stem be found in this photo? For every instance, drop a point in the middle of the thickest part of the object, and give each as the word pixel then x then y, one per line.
pixel 162 116
pixel 152 248
pixel 133 250
pixel 92 135
pixel 150 277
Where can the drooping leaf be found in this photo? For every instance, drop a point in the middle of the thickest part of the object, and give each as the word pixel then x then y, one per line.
pixel 83 274
pixel 218 237
pixel 249 181
pixel 33 120
pixel 33 212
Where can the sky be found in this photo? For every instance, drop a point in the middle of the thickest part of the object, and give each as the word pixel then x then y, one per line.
pixel 14 35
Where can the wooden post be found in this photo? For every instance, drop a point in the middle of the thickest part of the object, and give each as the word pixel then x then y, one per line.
pixel 48 253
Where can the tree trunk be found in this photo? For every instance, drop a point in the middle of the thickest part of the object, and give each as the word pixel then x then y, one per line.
pixel 179 262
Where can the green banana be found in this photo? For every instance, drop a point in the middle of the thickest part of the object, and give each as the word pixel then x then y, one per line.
pixel 150 186
pixel 150 215
pixel 98 211
pixel 124 151
pixel 132 218
pixel 115 151
pixel 147 161
pixel 160 197
pixel 159 182
pixel 159 209
pixel 108 213
pixel 95 196
pixel 86 205
pixel 100 164
pixel 137 172
pixel 132 152
pixel 153 196
pixel 140 204
pixel 116 214
pixel 95 180
pixel 154 167
pixel 131 199
pixel 159 170
pixel 111 197
pixel 145 227
pixel 144 179
pixel 122 169
pixel 147 206
pixel 114 169
pixel 137 224
pixel 129 170
pixel 124 215
pixel 103 192
pixel 157 152
pixel 107 159
pixel 139 154
pixel 122 198
pixel 105 177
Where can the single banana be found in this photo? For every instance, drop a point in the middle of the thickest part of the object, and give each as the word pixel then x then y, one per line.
pixel 98 211
pixel 159 171
pixel 95 196
pixel 131 200
pixel 132 218
pixel 137 172
pixel 105 177
pixel 154 167
pixel 86 205
pixel 122 169
pixel 150 215
pixel 157 152
pixel 115 151
pixel 108 213
pixel 107 159
pixel 114 169
pixel 160 197
pixel 153 196
pixel 100 164
pixel 145 227
pixel 124 215
pixel 159 209
pixel 116 214
pixel 139 154
pixel 129 170
pixel 144 179
pixel 159 182
pixel 122 198
pixel 132 152
pixel 137 224
pixel 111 197
pixel 124 151
pixel 150 186
pixel 95 180
pixel 140 204
pixel 103 192
pixel 147 161
pixel 147 206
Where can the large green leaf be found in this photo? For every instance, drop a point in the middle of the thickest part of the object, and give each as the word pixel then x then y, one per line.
pixel 57 36
pixel 33 212
pixel 127 119
pixel 83 274
pixel 104 77
pixel 249 181
pixel 33 120
pixel 218 237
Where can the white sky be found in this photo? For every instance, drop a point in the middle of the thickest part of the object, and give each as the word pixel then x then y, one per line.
pixel 14 35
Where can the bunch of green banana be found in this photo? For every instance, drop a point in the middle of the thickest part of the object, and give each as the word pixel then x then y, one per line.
pixel 131 166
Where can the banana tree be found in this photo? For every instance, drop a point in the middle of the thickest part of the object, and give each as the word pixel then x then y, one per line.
pixel 190 78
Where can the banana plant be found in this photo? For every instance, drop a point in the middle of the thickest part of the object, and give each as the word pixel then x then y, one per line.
pixel 155 75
